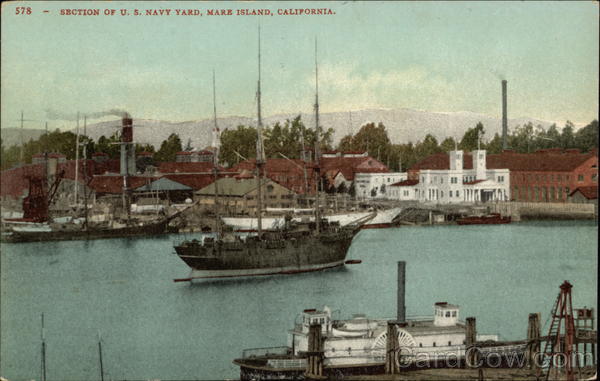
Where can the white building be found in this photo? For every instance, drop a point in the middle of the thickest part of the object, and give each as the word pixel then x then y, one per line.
pixel 456 185
pixel 377 185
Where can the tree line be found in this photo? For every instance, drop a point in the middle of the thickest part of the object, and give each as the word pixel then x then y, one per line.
pixel 292 136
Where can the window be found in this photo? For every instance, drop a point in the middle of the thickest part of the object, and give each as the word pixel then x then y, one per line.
pixel 595 177
pixel 450 194
pixel 580 178
pixel 457 195
pixel 500 179
pixel 270 188
pixel 453 313
pixel 442 194
pixel 449 343
pixel 420 345
pixel 434 343
pixel 447 313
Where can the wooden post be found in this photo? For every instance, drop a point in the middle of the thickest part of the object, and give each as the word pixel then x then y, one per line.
pixel 391 349
pixel 471 357
pixel 533 340
pixel 314 362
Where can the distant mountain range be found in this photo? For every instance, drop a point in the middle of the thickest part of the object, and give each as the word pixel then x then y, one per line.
pixel 403 125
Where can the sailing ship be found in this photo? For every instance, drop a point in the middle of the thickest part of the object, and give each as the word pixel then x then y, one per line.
pixel 36 224
pixel 293 248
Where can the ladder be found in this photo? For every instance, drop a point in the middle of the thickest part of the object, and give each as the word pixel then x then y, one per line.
pixel 560 341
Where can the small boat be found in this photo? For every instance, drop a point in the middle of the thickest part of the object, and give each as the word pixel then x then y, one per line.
pixel 383 219
pixel 490 219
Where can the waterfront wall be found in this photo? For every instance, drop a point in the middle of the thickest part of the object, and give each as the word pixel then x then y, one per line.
pixel 537 210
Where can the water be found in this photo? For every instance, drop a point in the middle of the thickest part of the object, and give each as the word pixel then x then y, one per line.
pixel 154 328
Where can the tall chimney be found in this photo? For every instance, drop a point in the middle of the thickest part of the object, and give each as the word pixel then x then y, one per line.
pixel 504 117
pixel 127 146
pixel 401 315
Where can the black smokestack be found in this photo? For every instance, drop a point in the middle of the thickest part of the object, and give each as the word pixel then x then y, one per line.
pixel 401 315
pixel 504 117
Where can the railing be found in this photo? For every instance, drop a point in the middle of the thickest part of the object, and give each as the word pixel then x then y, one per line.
pixel 268 351
pixel 287 363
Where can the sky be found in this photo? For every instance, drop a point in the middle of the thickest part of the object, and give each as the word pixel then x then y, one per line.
pixel 434 56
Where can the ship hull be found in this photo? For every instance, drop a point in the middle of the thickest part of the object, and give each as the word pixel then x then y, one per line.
pixel 215 274
pixel 260 258
pixel 72 235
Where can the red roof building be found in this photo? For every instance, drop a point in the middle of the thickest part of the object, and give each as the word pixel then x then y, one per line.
pixel 186 167
pixel 288 173
pixel 584 195
pixel 544 176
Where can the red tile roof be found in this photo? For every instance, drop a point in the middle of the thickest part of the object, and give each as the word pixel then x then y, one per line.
pixel 195 181
pixel 591 193
pixel 175 167
pixel 114 184
pixel 349 166
pixel 546 161
pixel 14 183
pixel 288 173
pixel 405 183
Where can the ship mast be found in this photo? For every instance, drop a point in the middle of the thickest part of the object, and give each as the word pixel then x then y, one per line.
pixel 317 145
pixel 216 158
pixel 260 152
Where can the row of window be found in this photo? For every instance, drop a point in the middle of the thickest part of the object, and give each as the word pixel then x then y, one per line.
pixel 557 178
pixel 541 193
pixel 447 313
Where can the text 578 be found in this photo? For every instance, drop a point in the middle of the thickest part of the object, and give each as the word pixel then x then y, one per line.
pixel 22 10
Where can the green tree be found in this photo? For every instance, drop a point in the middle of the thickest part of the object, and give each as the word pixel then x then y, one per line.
pixel 427 147
pixel 471 138
pixel 169 148
pixel 567 136
pixel 448 144
pixel 494 145
pixel 241 140
pixel 586 138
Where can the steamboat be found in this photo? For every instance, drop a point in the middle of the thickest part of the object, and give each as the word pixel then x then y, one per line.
pixel 321 346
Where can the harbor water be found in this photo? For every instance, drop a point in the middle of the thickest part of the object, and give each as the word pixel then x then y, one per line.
pixel 153 328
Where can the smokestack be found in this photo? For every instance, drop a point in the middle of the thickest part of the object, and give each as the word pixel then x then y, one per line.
pixel 127 147
pixel 504 116
pixel 401 315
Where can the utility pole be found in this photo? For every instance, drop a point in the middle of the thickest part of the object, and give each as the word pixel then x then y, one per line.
pixel 317 144
pixel 260 159
pixel 75 190
pixel 21 138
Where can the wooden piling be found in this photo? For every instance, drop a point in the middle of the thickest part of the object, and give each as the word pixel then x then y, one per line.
pixel 391 349
pixel 533 340
pixel 314 362
pixel 471 357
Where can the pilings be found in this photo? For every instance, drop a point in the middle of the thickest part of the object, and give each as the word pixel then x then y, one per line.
pixel 391 348
pixel 314 362
pixel 533 340
pixel 401 308
pixel 471 354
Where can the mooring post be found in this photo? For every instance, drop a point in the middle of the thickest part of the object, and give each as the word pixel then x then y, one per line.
pixel 314 362
pixel 471 357
pixel 533 340
pixel 391 349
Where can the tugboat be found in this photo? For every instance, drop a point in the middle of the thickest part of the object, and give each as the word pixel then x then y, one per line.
pixel 490 219
pixel 297 247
